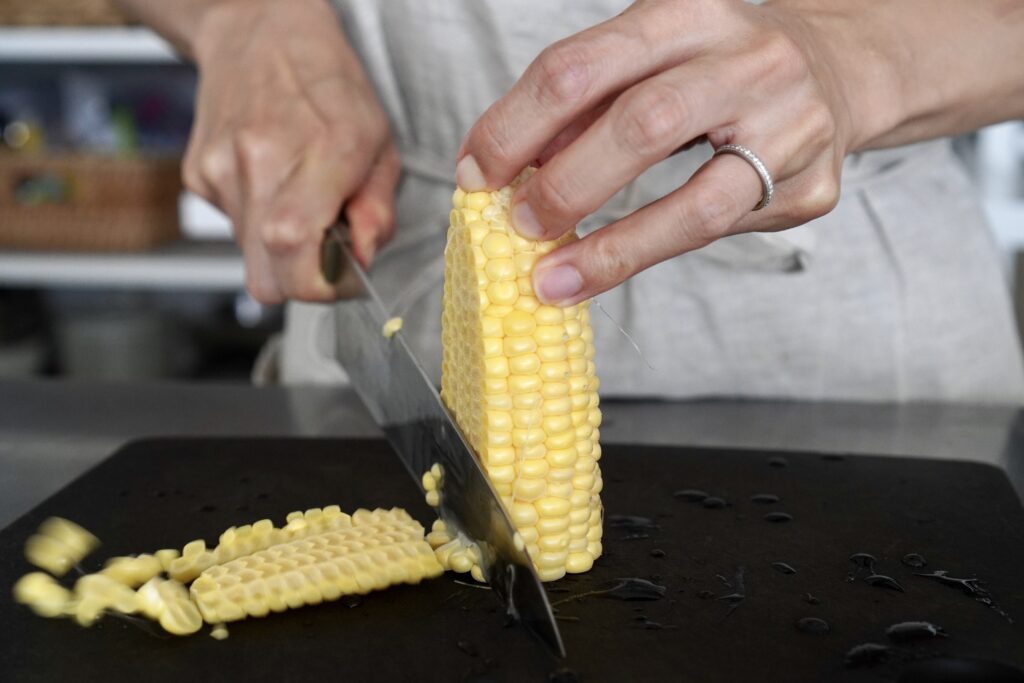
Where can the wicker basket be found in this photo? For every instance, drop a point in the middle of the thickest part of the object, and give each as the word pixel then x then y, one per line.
pixel 97 203
pixel 60 13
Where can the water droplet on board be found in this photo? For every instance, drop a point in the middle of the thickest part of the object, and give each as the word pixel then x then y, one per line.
pixel 634 589
pixel 713 503
pixel 778 517
pixel 882 581
pixel 960 670
pixel 690 495
pixel 864 561
pixel 907 631
pixel 705 595
pixel 813 625
pixel 649 625
pixel 764 498
pixel 351 601
pixel 778 461
pixel 632 524
pixel 811 600
pixel 972 587
pixel 563 675
pixel 468 648
pixel 866 655
pixel 914 560
pixel 783 567
pixel 658 552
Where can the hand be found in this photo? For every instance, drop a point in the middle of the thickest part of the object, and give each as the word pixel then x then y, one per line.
pixel 287 130
pixel 600 107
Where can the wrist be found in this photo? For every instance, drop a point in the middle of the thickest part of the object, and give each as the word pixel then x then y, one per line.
pixel 861 66
pixel 211 24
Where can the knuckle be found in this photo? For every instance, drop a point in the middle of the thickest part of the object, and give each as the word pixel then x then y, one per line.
pixel 215 165
pixel 650 120
pixel 282 235
pixel 821 195
pixel 820 123
pixel 554 196
pixel 708 215
pixel 255 147
pixel 493 140
pixel 611 260
pixel 564 73
pixel 782 54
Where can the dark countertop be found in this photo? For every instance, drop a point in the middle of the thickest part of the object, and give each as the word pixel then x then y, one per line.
pixel 50 431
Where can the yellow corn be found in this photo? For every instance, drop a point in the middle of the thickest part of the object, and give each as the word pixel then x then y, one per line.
pixel 96 593
pixel 133 571
pixel 391 326
pixel 43 594
pixel 375 550
pixel 243 540
pixel 59 545
pixel 168 601
pixel 519 379
pixel 320 554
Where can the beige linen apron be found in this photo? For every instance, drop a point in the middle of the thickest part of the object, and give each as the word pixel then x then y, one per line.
pixel 895 295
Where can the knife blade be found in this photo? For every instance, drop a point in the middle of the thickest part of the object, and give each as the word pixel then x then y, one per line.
pixel 389 380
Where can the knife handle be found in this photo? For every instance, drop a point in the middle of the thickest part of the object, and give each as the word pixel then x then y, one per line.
pixel 336 262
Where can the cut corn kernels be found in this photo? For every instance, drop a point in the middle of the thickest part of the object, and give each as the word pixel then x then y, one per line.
pixel 378 549
pixel 59 545
pixel 518 379
pixel 42 594
pixel 132 571
pixel 390 327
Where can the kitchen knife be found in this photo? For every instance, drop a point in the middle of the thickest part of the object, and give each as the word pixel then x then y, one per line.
pixel 396 391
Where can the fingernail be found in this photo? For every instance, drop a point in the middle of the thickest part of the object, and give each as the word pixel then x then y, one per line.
pixel 558 284
pixel 469 176
pixel 525 221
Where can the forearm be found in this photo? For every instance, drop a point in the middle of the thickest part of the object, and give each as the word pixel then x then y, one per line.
pixel 177 20
pixel 919 69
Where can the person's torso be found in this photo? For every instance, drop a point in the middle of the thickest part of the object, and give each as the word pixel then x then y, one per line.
pixel 895 295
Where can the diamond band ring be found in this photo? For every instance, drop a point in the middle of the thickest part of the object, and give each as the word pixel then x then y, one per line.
pixel 767 186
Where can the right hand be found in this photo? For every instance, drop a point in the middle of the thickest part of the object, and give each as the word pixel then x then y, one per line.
pixel 288 129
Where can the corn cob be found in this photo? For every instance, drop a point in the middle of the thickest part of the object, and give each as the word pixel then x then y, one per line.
pixel 519 379
pixel 247 539
pixel 376 550
pixel 318 555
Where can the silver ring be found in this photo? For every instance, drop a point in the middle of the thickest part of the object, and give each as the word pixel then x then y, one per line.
pixel 767 186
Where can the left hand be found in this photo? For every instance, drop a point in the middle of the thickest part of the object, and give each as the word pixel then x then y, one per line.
pixel 602 106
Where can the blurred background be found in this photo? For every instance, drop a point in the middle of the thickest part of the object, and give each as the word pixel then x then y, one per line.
pixel 108 269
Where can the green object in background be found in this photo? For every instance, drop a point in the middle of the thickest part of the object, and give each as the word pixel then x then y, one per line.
pixel 45 188
pixel 126 133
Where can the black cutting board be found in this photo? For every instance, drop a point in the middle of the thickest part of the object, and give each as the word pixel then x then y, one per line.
pixel 962 517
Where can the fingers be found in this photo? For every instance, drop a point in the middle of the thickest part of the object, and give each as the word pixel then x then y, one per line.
pixel 644 125
pixel 287 208
pixel 704 209
pixel 566 80
pixel 371 210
